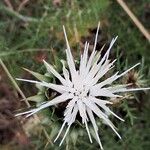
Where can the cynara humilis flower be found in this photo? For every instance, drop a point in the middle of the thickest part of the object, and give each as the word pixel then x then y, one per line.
pixel 83 90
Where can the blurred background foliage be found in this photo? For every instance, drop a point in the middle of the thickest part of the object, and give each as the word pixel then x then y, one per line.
pixel 31 30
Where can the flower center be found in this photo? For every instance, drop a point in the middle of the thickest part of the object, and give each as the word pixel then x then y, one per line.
pixel 81 93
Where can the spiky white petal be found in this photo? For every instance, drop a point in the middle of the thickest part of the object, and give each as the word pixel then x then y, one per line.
pixel 51 69
pixel 82 89
pixel 91 116
pixel 58 88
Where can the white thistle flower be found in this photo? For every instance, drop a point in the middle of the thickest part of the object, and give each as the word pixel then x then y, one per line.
pixel 82 89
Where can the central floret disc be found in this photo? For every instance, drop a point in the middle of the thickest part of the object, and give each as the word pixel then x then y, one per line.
pixel 82 93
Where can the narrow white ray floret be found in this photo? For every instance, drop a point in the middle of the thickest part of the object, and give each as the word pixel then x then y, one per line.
pixel 82 89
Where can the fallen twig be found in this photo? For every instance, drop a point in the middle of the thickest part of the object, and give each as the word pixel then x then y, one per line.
pixel 8 3
pixel 14 83
pixel 24 97
pixel 16 14
pixel 16 52
pixel 134 19
pixel 23 3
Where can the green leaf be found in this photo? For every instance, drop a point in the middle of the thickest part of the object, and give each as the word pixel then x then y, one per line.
pixel 37 98
pixel 74 136
pixel 54 131
pixel 58 63
pixel 38 75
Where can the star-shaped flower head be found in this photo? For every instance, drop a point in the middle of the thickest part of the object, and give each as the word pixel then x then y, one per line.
pixel 82 89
